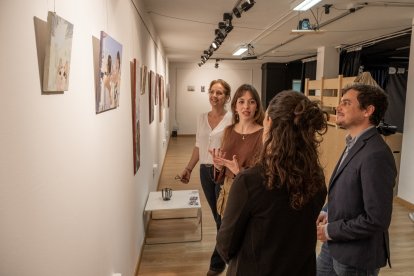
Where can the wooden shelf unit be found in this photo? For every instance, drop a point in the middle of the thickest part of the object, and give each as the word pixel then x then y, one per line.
pixel 327 92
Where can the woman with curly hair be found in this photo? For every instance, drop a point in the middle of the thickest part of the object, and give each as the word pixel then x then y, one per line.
pixel 268 227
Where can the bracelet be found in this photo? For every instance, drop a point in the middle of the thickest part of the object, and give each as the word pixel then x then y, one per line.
pixel 187 169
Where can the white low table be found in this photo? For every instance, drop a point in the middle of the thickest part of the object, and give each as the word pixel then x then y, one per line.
pixel 176 220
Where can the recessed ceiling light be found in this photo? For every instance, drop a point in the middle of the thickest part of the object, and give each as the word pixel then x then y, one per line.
pixel 240 51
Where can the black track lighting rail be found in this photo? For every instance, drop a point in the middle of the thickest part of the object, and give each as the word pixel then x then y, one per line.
pixel 224 28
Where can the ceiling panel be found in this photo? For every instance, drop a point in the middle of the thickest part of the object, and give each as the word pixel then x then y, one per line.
pixel 186 27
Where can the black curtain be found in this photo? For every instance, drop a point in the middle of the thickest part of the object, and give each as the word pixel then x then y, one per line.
pixel 379 73
pixel 350 63
pixel 308 71
pixel 396 89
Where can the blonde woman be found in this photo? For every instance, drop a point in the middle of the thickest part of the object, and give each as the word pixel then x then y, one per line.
pixel 210 129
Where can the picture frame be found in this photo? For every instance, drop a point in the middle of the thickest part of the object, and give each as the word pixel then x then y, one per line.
pixel 151 96
pixel 58 54
pixel 144 77
pixel 110 62
pixel 135 100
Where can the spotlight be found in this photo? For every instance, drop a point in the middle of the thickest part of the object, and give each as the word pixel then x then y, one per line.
pixel 220 33
pixel 247 5
pixel 229 28
pixel 327 8
pixel 227 17
pixel 215 45
pixel 237 12
pixel 207 53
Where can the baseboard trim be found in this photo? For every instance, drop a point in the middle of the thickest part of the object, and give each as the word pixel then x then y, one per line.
pixel 404 203
pixel 139 259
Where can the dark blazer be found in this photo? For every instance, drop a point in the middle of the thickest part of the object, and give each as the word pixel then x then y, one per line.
pixel 360 204
pixel 262 235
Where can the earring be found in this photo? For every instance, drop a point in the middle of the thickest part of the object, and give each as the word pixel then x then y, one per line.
pixel 237 117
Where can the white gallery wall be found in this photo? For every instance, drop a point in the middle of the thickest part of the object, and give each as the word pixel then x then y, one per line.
pixel 70 203
pixel 406 180
pixel 186 82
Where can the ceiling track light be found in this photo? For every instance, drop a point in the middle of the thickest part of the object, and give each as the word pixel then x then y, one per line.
pixel 225 27
pixel 247 5
pixel 243 7
pixel 217 63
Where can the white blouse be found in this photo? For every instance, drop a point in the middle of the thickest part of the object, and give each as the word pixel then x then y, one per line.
pixel 207 138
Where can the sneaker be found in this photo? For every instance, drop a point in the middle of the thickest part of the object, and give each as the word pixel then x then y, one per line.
pixel 411 216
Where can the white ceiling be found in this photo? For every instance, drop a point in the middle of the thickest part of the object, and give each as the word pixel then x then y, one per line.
pixel 186 27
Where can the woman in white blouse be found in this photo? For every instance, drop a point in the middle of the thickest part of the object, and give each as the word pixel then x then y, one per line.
pixel 210 129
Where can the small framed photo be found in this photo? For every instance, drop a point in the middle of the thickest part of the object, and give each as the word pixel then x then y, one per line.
pixel 190 88
pixel 203 88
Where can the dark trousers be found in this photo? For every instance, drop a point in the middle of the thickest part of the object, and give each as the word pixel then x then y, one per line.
pixel 328 266
pixel 211 191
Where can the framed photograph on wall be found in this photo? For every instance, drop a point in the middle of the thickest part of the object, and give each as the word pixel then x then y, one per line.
pixel 135 100
pixel 167 94
pixel 110 58
pixel 151 96
pixel 144 78
pixel 58 53
pixel 161 96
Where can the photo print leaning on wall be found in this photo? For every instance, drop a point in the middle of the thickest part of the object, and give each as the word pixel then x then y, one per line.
pixel 110 57
pixel 57 55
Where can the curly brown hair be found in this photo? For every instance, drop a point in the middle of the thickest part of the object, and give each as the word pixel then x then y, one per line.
pixel 289 155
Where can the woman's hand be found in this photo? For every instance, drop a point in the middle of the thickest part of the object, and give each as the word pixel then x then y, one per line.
pixel 184 177
pixel 219 161
pixel 218 157
pixel 232 165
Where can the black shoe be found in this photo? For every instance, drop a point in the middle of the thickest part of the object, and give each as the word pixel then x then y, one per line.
pixel 213 272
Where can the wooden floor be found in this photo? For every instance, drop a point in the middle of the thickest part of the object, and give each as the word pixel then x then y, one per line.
pixel 193 258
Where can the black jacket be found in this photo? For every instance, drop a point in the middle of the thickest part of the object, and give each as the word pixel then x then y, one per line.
pixel 262 235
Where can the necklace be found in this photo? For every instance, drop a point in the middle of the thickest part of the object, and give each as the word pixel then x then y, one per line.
pixel 244 135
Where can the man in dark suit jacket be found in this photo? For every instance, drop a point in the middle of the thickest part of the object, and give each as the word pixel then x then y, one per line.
pixel 353 225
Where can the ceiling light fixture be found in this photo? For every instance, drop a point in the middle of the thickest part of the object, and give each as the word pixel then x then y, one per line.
pixel 215 45
pixel 243 7
pixel 304 5
pixel 241 50
pixel 225 27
